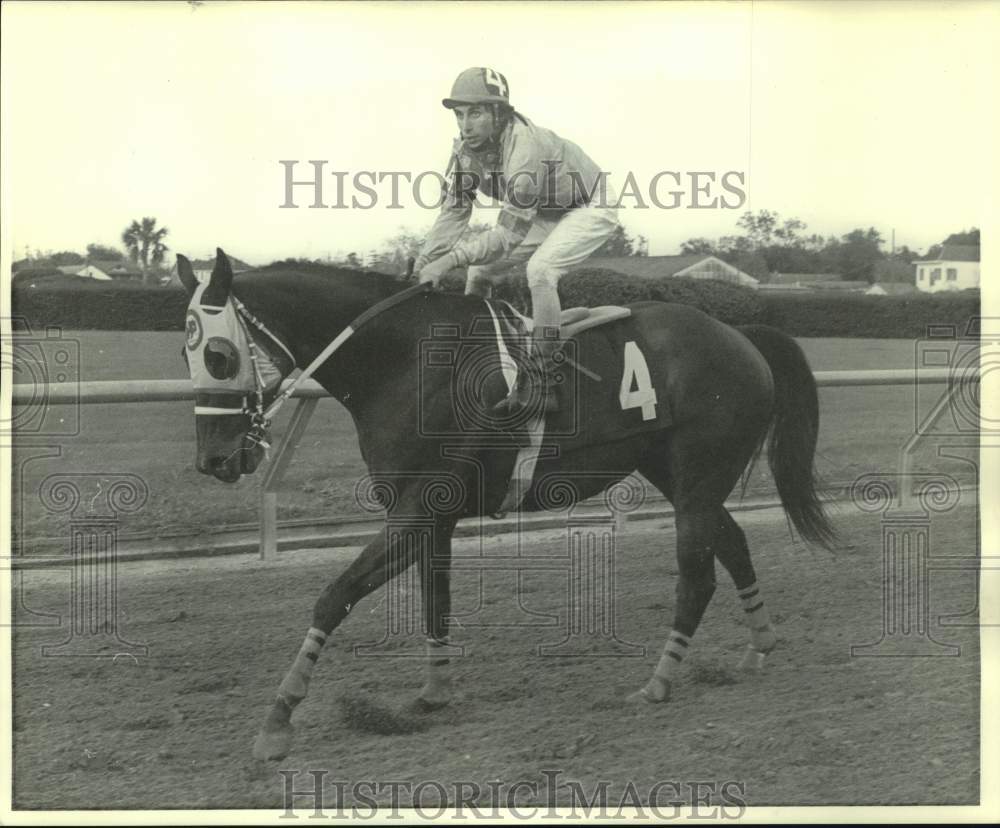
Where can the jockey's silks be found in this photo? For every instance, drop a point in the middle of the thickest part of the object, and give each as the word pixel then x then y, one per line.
pixel 530 170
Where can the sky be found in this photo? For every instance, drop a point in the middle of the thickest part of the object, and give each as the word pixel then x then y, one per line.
pixel 841 114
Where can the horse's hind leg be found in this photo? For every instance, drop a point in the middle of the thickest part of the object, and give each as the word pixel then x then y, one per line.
pixel 695 587
pixel 734 554
pixel 704 461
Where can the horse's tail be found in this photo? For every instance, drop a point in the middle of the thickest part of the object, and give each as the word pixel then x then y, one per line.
pixel 792 432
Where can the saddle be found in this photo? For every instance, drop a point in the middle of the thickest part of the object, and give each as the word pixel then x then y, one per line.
pixel 515 326
pixel 574 321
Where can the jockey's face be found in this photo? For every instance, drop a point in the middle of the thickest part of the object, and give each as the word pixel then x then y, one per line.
pixel 475 123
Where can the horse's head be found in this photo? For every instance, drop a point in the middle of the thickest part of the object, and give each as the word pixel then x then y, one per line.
pixel 236 365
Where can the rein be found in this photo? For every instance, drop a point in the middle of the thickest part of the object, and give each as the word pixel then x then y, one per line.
pixel 260 418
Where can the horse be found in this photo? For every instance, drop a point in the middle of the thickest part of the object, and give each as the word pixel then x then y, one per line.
pixel 729 392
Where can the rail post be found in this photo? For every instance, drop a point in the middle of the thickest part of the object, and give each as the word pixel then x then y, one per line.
pixel 283 455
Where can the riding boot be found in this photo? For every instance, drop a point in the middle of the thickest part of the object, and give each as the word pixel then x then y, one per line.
pixel 545 337
pixel 546 368
pixel 542 375
pixel 536 381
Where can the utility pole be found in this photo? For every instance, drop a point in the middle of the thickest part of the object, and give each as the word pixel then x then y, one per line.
pixel 893 241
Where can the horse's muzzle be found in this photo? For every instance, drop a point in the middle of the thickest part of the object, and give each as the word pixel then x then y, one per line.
pixel 221 468
pixel 225 448
pixel 231 467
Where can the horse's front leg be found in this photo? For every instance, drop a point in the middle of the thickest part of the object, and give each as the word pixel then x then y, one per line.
pixel 435 582
pixel 379 562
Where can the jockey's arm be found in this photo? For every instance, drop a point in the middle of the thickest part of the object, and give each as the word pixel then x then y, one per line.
pixel 524 183
pixel 453 219
pixel 500 240
pixel 450 224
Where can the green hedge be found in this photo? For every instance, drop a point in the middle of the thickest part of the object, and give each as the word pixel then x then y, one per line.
pixel 137 308
pixel 588 287
pixel 102 307
pixel 875 317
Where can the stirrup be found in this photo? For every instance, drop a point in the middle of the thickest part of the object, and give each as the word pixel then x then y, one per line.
pixel 521 398
pixel 523 394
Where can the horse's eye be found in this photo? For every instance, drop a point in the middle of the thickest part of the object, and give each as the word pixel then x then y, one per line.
pixel 221 358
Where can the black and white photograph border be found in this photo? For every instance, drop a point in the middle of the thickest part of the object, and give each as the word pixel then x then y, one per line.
pixel 594 409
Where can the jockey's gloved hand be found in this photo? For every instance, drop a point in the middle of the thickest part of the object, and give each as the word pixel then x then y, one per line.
pixel 436 270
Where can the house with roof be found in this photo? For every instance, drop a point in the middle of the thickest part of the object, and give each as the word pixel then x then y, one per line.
pixel 956 267
pixel 110 270
pixel 102 271
pixel 79 270
pixel 693 266
pixel 203 270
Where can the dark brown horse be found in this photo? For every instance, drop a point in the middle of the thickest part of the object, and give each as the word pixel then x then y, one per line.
pixel 703 398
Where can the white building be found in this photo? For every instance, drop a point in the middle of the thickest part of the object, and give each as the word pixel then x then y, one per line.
pixel 203 270
pixel 956 268
pixel 92 271
pixel 694 266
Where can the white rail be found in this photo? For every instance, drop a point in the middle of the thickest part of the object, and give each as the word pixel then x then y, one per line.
pixel 147 391
pixel 143 391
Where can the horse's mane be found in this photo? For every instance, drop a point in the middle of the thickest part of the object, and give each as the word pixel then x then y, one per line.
pixel 317 275
pixel 347 275
pixel 307 291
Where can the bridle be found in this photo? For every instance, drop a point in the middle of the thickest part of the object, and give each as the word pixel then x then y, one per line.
pixel 253 401
pixel 260 420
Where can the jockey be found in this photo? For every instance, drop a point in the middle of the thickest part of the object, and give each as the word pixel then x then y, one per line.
pixel 556 208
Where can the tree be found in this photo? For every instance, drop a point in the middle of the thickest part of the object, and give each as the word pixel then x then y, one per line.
pixel 814 242
pixel 65 257
pixel 100 253
pixel 396 251
pixel 788 234
pixel 759 227
pixel 144 242
pixel 620 243
pixel 858 254
pixel 698 245
pixel 965 237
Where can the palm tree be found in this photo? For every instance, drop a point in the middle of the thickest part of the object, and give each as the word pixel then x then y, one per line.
pixel 144 242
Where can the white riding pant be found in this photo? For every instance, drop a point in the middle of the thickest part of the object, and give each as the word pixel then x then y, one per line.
pixel 552 247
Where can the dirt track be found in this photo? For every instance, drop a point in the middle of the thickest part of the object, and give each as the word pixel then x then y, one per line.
pixel 817 727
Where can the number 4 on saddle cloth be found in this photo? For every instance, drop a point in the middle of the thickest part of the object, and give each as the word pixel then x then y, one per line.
pixel 609 383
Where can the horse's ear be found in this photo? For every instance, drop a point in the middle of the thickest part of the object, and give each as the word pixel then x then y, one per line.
pixel 186 274
pixel 222 280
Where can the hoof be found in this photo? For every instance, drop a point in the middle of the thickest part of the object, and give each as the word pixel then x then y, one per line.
pixel 273 742
pixel 422 706
pixel 753 660
pixel 658 693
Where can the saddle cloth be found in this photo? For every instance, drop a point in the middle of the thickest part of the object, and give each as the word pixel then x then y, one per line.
pixel 610 385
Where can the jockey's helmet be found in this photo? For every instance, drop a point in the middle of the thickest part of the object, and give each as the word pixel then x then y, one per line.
pixel 478 85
